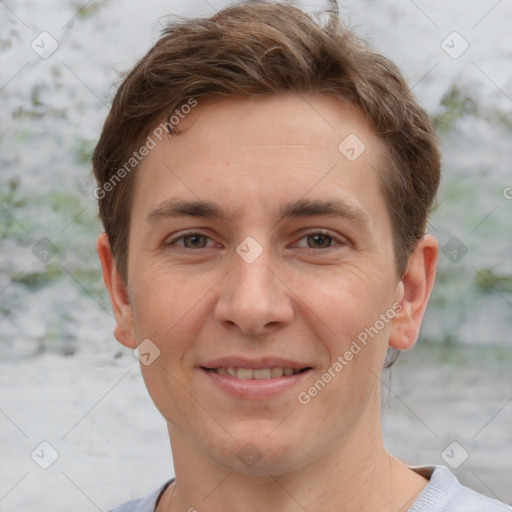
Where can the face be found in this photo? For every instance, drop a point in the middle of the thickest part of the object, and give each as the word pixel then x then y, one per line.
pixel 258 245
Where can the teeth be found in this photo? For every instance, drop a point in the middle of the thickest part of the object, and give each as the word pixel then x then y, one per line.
pixel 258 373
pixel 262 373
pixel 244 373
pixel 276 372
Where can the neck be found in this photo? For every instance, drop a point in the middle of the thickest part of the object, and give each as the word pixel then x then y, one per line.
pixel 356 476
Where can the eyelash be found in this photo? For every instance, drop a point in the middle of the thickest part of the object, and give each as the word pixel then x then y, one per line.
pixel 334 239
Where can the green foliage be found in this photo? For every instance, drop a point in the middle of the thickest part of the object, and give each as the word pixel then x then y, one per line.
pixel 68 205
pixel 456 105
pixel 87 9
pixel 462 355
pixel 10 201
pixel 487 281
pixel 35 97
pixel 37 280
pixel 70 208
pixel 83 150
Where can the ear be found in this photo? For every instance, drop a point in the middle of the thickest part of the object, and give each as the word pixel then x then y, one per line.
pixel 413 292
pixel 123 331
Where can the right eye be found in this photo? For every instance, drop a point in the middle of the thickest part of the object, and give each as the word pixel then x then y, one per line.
pixel 191 240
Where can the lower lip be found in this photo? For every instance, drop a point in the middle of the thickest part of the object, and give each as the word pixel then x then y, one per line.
pixel 255 388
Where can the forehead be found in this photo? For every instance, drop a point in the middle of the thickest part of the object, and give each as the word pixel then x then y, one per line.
pixel 252 151
pixel 307 122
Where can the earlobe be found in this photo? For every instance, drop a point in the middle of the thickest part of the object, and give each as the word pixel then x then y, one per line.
pixel 123 330
pixel 414 289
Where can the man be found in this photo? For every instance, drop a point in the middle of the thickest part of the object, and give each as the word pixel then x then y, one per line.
pixel 264 184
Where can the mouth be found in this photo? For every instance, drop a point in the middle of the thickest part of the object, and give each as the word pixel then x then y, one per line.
pixel 257 373
pixel 262 383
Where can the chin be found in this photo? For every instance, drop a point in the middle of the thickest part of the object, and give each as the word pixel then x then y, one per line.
pixel 259 452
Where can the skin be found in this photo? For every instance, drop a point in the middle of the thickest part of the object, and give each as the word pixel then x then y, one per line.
pixel 305 298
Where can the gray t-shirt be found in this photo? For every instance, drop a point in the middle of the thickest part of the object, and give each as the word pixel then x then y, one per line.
pixel 443 493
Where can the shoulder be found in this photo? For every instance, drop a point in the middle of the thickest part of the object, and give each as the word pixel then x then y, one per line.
pixel 444 493
pixel 145 504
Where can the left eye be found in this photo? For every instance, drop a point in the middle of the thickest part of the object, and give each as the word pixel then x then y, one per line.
pixel 193 241
pixel 318 240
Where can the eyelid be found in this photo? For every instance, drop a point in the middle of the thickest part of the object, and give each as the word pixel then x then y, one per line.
pixel 341 240
pixel 322 231
pixel 171 240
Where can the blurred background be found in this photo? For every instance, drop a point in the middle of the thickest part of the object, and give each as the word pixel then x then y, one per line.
pixel 65 381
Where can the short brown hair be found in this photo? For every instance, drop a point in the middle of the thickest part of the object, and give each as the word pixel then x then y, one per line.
pixel 259 49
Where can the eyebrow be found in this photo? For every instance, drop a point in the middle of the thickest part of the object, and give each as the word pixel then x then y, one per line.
pixel 295 209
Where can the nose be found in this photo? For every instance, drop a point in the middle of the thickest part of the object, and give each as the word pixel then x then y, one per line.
pixel 253 297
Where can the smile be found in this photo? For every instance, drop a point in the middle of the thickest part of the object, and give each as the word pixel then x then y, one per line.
pixel 256 373
pixel 256 383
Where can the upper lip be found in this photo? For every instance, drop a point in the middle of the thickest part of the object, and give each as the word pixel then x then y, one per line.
pixel 265 362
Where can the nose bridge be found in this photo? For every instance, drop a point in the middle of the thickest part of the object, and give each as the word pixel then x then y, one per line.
pixel 252 297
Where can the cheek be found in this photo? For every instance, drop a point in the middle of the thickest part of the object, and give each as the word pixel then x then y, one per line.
pixel 353 340
pixel 344 300
pixel 170 311
pixel 166 298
